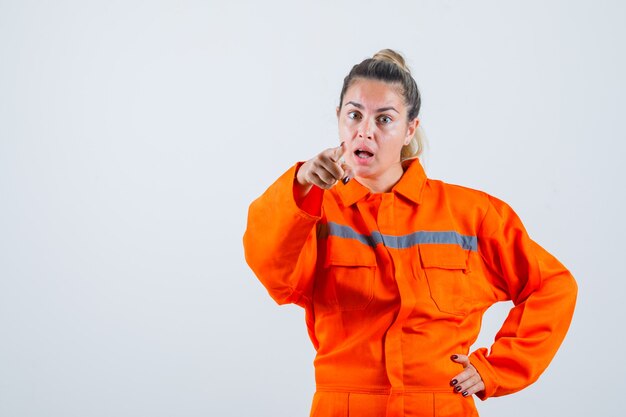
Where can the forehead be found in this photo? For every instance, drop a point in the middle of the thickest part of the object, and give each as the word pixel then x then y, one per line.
pixel 374 93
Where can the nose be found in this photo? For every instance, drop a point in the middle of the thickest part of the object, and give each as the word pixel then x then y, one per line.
pixel 364 129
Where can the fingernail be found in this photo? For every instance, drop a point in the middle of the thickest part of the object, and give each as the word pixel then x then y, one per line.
pixel 453 382
pixel 464 393
pixel 458 388
pixel 454 357
pixel 345 180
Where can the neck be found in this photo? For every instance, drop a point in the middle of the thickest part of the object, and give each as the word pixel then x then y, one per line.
pixel 385 182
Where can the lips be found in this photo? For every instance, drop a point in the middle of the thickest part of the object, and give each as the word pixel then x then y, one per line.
pixel 363 152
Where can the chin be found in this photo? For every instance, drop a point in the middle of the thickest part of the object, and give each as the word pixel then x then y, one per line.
pixel 365 172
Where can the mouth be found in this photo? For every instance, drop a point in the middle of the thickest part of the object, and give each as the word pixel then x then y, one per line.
pixel 363 154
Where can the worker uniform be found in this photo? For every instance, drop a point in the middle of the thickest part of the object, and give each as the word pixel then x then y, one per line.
pixel 394 283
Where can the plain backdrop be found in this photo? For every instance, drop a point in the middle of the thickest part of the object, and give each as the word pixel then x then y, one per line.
pixel 134 135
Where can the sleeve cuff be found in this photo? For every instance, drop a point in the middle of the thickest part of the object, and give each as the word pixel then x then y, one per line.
pixel 311 205
pixel 479 360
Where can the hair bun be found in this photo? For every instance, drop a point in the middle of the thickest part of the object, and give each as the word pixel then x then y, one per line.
pixel 390 55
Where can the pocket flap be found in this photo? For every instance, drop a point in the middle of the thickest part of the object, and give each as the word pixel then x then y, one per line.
pixel 365 257
pixel 438 255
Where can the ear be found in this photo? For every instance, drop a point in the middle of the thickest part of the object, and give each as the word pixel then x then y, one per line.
pixel 410 132
pixel 337 112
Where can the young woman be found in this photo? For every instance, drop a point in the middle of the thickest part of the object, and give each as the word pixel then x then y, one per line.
pixel 395 270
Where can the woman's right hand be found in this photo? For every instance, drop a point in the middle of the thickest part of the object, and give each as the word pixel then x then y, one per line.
pixel 323 170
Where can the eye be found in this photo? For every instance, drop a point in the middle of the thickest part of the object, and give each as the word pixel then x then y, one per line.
pixel 384 119
pixel 353 115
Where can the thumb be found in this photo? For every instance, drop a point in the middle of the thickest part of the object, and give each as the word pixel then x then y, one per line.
pixel 347 173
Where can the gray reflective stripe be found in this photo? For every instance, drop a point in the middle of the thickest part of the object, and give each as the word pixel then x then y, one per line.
pixel 399 242
pixel 346 232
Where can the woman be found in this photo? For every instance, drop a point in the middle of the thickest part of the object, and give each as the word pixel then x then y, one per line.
pixel 395 270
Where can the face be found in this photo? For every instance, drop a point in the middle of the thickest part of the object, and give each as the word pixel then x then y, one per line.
pixel 373 124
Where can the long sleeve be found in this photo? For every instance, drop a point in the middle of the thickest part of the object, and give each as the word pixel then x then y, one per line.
pixel 543 293
pixel 280 240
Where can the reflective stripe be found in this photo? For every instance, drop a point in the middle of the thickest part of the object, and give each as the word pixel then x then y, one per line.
pixel 398 242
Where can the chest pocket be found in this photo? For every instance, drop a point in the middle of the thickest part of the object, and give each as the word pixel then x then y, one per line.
pixel 348 281
pixel 446 270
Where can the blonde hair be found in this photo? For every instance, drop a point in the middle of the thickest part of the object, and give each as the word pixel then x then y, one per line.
pixel 416 146
pixel 389 66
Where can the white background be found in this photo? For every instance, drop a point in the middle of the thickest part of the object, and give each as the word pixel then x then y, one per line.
pixel 134 135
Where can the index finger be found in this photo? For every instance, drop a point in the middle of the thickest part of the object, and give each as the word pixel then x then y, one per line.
pixel 461 359
pixel 338 152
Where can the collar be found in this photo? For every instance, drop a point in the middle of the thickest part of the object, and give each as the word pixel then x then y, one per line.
pixel 410 185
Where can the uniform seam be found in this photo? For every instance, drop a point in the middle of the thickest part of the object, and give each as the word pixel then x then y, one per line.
pixel 434 406
pixel 479 238
pixel 382 391
pixel 482 221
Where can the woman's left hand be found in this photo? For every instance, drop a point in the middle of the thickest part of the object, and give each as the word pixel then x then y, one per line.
pixel 469 381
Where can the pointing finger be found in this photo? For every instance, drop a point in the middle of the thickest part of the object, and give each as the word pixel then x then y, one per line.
pixel 338 153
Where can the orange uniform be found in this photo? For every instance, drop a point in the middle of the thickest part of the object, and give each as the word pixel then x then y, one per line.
pixel 394 283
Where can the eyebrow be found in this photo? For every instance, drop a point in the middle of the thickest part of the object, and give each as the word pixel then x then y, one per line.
pixel 360 106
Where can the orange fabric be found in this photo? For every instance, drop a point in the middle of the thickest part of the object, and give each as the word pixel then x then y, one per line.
pixel 356 404
pixel 395 283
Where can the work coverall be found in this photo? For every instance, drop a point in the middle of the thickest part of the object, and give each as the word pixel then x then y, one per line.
pixel 394 283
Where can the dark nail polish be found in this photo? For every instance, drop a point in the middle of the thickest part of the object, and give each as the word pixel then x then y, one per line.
pixel 454 356
pixel 458 388
pixel 453 382
pixel 345 180
pixel 464 393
